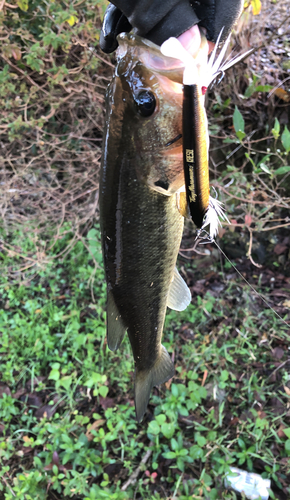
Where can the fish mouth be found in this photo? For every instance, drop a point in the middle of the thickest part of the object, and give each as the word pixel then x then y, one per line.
pixel 179 136
pixel 150 55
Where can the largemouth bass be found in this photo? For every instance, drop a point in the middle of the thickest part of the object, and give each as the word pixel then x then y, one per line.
pixel 141 225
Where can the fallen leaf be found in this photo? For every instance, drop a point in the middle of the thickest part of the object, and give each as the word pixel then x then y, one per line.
pixel 94 426
pixel 284 461
pixel 16 53
pixel 278 352
pixel 287 390
pixel 204 377
pixel 46 411
pixel 168 384
pixel 264 338
pixel 234 421
pixel 4 389
pixel 279 249
pixel 32 399
pixel 280 431
pixel 19 393
pixel 107 403
pixel 55 458
pixel 55 461
pixel 282 94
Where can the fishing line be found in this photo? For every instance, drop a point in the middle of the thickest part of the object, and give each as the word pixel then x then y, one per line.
pixel 212 240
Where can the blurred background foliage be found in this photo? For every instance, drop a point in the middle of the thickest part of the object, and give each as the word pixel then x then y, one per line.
pixel 52 86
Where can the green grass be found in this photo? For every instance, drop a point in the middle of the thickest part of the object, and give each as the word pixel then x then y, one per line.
pixel 67 418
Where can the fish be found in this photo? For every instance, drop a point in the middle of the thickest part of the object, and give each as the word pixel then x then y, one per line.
pixel 140 207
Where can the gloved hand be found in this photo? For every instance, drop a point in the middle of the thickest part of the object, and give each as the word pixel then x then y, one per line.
pixel 114 23
pixel 160 19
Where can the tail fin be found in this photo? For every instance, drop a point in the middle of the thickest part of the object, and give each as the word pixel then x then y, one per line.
pixel 162 371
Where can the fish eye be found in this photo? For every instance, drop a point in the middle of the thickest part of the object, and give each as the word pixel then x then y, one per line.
pixel 145 102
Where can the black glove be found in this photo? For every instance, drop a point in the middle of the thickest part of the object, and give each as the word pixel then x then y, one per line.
pixel 114 23
pixel 158 20
pixel 216 15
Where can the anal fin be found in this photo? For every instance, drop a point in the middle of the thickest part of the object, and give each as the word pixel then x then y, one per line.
pixel 115 326
pixel 179 296
pixel 162 370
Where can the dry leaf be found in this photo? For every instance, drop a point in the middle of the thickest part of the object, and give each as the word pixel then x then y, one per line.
pixel 95 425
pixel 168 384
pixel 264 338
pixel 280 431
pixel 282 94
pixel 278 352
pixel 287 390
pixel 280 248
pixel 204 377
pixel 16 53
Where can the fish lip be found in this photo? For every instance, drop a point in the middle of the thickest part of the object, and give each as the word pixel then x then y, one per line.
pixel 151 56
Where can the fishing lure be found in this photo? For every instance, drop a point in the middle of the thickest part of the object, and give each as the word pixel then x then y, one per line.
pixel 195 154
pixel 204 209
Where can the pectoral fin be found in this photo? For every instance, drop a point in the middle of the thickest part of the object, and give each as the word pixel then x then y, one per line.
pixel 179 296
pixel 162 371
pixel 115 326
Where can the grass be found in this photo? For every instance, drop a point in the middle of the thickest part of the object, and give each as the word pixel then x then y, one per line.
pixel 67 419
